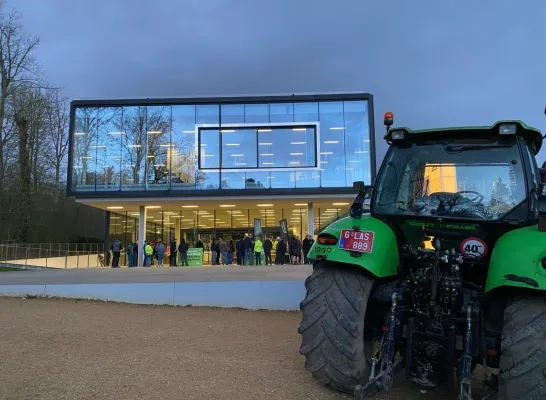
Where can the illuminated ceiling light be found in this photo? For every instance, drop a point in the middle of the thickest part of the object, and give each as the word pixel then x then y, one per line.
pixel 79 133
pixel 264 130
pixel 227 130
pixel 207 155
pixel 366 140
pixel 268 163
pixel 294 162
pixel 237 155
pixel 299 129
pixel 227 205
pixel 325 153
pixel 266 154
pixel 203 145
pixel 150 157
pixel 159 165
pixel 168 223
pixel 264 205
pixel 265 144
pixel 296 154
pixel 331 141
pixel 337 128
pixel 240 164
pixel 353 161
pixel 116 133
pixel 157 220
pixel 98 147
pixel 340 204
pixel 323 162
pixel 270 177
pixel 86 158
pixel 300 204
pixel 114 207
pixel 361 151
pixel 166 145
pixel 154 132
pixel 188 131
pixel 153 206
pixel 190 206
pixel 297 143
pixel 134 145
pixel 232 144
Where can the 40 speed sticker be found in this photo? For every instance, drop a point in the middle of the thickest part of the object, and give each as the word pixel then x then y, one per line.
pixel 473 246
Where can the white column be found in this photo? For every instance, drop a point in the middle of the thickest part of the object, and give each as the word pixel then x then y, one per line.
pixel 177 229
pixel 310 220
pixel 141 234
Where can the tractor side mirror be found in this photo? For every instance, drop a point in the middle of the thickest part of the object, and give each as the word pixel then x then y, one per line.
pixel 361 188
pixel 364 194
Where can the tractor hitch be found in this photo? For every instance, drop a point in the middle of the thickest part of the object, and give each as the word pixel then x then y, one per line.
pixel 375 385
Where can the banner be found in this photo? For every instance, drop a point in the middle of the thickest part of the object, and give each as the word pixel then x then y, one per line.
pixel 257 227
pixel 195 257
pixel 284 229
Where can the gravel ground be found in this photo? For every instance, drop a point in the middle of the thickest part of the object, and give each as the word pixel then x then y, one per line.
pixel 67 349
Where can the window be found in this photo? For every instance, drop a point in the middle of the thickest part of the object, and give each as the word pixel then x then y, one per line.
pixel 238 148
pixel 209 148
pixel 286 147
pixel 252 147
pixel 428 180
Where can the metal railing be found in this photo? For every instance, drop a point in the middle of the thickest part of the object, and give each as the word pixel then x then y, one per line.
pixel 52 255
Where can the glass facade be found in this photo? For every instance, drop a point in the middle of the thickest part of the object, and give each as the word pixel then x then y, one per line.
pixel 224 222
pixel 203 147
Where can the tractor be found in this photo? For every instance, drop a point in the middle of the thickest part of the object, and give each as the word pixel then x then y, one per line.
pixel 444 270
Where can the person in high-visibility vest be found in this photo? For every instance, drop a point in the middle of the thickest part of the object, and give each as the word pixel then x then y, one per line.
pixel 148 251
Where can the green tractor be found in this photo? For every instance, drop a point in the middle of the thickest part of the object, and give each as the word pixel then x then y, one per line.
pixel 444 271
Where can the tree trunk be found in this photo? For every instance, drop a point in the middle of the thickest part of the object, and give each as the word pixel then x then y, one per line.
pixel 24 170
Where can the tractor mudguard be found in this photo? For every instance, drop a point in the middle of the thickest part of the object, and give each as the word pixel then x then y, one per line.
pixel 516 260
pixel 382 261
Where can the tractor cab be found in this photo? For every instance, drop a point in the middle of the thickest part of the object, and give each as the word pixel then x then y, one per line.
pixel 460 188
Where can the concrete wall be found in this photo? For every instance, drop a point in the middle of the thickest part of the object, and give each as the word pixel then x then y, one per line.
pixel 82 261
pixel 270 295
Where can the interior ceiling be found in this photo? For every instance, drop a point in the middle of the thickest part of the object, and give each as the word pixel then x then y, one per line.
pixel 232 213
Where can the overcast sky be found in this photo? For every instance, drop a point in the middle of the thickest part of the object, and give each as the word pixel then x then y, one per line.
pixel 431 62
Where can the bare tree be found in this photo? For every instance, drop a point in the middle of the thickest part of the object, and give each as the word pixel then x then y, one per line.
pixel 17 67
pixel 58 123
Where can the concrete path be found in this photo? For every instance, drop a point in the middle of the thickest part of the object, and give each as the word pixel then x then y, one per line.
pixel 157 275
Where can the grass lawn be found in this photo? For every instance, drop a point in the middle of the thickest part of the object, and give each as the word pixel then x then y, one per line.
pixel 8 269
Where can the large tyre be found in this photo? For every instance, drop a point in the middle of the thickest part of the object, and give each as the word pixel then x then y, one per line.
pixel 523 359
pixel 332 326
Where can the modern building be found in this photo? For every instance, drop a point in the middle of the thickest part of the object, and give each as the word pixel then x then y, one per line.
pixel 204 167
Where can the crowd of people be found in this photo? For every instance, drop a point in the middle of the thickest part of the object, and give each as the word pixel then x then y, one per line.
pixel 245 251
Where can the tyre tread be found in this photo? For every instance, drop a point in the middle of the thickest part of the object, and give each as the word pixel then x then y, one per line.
pixel 522 374
pixel 332 326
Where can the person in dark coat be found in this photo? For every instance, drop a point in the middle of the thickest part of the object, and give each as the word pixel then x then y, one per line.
pixel 268 246
pixel 172 255
pixel 281 252
pixel 240 252
pixel 306 245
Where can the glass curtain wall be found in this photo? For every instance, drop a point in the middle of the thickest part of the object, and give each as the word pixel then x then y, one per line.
pixel 158 148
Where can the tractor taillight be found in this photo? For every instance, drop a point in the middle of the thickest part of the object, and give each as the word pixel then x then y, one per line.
pixel 327 240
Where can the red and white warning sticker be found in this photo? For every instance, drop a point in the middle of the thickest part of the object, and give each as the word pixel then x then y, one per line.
pixel 474 246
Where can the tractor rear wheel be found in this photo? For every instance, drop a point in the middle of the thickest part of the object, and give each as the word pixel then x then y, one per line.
pixel 522 373
pixel 332 326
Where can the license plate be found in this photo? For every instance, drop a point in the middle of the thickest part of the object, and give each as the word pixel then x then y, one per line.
pixel 360 241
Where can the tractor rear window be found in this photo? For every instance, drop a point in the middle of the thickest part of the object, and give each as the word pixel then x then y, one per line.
pixel 451 180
